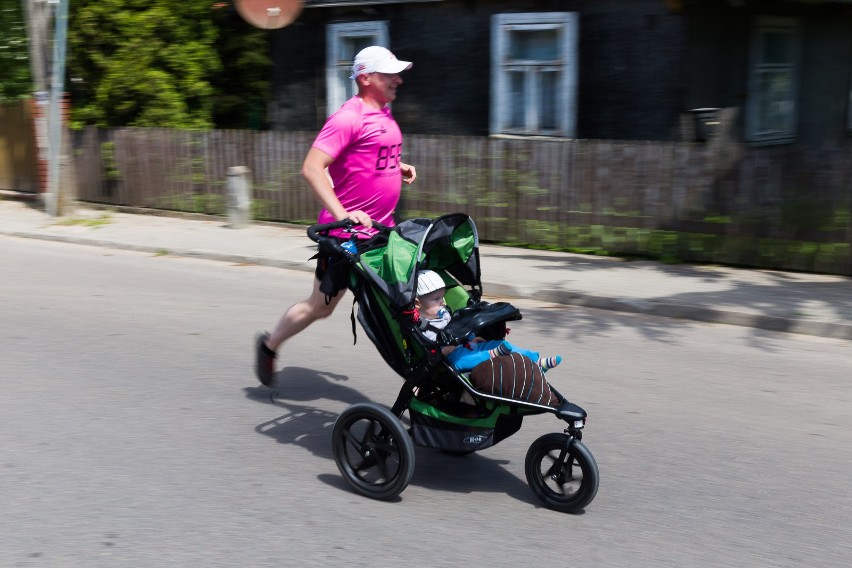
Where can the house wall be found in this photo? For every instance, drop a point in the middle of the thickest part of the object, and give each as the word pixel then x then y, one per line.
pixel 827 68
pixel 642 65
pixel 717 64
pixel 716 56
pixel 630 79
pixel 631 70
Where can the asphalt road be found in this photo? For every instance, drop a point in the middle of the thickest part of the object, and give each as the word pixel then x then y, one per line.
pixel 136 435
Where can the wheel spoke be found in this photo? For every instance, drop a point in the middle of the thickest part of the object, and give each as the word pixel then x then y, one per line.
pixel 384 446
pixel 366 464
pixel 559 474
pixel 383 466
pixel 368 432
pixel 557 467
pixel 350 440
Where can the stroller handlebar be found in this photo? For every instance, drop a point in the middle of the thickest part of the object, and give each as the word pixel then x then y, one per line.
pixel 315 232
pixel 319 234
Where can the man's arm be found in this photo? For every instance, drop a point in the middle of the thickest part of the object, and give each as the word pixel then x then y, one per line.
pixel 313 170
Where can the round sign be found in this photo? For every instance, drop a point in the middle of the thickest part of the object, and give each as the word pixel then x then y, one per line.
pixel 269 14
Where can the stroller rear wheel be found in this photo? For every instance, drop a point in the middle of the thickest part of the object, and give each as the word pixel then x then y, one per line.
pixel 562 472
pixel 373 450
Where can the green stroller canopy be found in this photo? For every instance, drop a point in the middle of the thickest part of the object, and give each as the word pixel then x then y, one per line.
pixel 448 243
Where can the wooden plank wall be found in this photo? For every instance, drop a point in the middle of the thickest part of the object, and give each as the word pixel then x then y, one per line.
pixel 593 193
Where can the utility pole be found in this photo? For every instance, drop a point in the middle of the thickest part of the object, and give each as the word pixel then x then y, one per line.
pixel 49 81
pixel 37 16
pixel 55 197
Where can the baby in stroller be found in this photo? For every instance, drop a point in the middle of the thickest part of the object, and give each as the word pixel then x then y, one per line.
pixel 434 316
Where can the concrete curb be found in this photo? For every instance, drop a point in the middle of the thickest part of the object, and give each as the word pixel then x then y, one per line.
pixel 188 253
pixel 562 297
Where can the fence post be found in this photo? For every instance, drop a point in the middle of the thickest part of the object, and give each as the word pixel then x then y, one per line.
pixel 239 197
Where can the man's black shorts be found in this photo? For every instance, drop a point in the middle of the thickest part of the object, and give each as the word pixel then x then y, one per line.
pixel 333 276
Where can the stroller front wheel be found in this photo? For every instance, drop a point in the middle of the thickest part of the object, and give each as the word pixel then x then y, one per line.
pixel 373 451
pixel 562 472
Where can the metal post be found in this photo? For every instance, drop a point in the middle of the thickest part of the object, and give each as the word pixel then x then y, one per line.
pixel 54 117
pixel 239 196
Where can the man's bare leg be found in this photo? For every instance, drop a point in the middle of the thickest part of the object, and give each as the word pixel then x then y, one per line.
pixel 302 314
pixel 297 317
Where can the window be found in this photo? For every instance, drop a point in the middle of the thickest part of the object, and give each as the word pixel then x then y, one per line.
pixel 775 54
pixel 343 41
pixel 534 78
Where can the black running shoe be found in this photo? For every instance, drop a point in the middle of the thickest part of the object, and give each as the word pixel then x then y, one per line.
pixel 264 366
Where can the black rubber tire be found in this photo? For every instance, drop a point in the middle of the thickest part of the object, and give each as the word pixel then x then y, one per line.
pixel 373 450
pixel 552 467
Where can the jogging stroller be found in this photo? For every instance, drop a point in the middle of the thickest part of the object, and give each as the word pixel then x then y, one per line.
pixel 447 409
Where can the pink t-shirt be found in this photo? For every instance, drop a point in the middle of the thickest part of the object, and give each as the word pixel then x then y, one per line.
pixel 366 145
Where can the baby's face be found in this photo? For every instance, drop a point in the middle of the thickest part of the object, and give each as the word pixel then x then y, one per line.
pixel 430 303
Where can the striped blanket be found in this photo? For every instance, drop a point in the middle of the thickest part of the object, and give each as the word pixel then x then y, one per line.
pixel 513 376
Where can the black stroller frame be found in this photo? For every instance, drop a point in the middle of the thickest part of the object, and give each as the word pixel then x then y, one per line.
pixel 372 448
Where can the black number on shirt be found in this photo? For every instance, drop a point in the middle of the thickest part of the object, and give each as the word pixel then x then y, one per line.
pixel 389 157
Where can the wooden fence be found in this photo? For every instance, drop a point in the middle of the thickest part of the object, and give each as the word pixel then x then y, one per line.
pixel 18 161
pixel 781 207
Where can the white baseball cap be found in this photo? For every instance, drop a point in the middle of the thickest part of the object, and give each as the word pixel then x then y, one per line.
pixel 429 281
pixel 377 59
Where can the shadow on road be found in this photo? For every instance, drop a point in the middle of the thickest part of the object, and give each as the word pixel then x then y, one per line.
pixel 474 473
pixel 300 383
pixel 309 426
pixel 303 424
pixel 576 324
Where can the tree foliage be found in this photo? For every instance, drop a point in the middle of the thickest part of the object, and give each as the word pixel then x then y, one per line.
pixel 158 63
pixel 243 87
pixel 15 81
